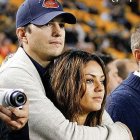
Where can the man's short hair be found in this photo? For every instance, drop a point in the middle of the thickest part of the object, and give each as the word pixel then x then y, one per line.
pixel 135 38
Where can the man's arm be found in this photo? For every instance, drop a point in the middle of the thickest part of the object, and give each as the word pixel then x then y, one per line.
pixel 106 119
pixel 47 122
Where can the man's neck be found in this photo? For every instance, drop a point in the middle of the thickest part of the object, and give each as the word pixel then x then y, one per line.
pixel 36 58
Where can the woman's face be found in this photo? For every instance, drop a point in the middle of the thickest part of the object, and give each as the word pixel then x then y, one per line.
pixel 94 94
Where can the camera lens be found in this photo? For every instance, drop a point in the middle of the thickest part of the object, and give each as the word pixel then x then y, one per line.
pixel 16 99
pixel 20 99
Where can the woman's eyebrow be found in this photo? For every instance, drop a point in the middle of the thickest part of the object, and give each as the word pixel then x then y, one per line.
pixel 94 75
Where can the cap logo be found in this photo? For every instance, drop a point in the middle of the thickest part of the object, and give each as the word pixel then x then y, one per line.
pixel 50 4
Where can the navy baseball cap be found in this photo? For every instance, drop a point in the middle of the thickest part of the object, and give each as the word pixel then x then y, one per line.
pixel 40 12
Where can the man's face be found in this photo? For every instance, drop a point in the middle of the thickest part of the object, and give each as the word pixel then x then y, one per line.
pixel 45 42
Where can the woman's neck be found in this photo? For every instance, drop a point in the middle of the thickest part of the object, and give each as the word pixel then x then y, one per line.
pixel 81 119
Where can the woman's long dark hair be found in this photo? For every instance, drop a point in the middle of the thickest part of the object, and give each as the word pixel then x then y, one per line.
pixel 64 84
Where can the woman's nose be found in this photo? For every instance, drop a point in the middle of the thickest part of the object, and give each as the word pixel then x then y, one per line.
pixel 98 86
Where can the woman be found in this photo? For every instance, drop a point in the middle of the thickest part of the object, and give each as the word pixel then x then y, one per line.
pixel 76 83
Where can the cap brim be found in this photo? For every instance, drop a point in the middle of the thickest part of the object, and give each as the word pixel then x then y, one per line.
pixel 44 19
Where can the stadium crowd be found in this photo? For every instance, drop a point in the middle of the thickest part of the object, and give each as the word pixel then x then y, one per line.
pixel 102 26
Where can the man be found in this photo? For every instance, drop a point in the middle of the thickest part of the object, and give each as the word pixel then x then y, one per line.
pixel 41 32
pixel 124 102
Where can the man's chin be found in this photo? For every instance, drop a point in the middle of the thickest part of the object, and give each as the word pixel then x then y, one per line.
pixel 51 58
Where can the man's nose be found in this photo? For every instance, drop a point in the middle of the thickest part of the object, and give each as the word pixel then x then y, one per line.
pixel 56 29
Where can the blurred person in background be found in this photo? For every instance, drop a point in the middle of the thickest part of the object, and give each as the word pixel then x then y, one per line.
pixel 125 67
pixel 3 4
pixel 114 79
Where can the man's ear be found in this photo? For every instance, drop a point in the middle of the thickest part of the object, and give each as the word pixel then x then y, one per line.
pixel 136 54
pixel 21 34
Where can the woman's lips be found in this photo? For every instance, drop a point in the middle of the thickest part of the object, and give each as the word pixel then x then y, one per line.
pixel 99 99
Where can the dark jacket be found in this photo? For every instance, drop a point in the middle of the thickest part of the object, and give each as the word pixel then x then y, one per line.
pixel 7 134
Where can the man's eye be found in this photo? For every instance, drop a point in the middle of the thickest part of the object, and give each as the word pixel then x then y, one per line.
pixel 62 25
pixel 48 24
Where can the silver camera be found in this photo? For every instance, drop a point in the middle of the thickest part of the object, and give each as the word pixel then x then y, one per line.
pixel 12 97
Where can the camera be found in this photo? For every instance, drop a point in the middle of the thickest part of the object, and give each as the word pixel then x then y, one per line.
pixel 12 97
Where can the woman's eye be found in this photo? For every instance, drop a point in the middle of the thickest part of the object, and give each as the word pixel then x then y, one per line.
pixel 89 81
pixel 102 81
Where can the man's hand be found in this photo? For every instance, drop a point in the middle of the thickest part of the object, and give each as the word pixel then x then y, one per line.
pixel 15 118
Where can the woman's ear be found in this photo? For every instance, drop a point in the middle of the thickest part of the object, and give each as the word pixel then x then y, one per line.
pixel 21 34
